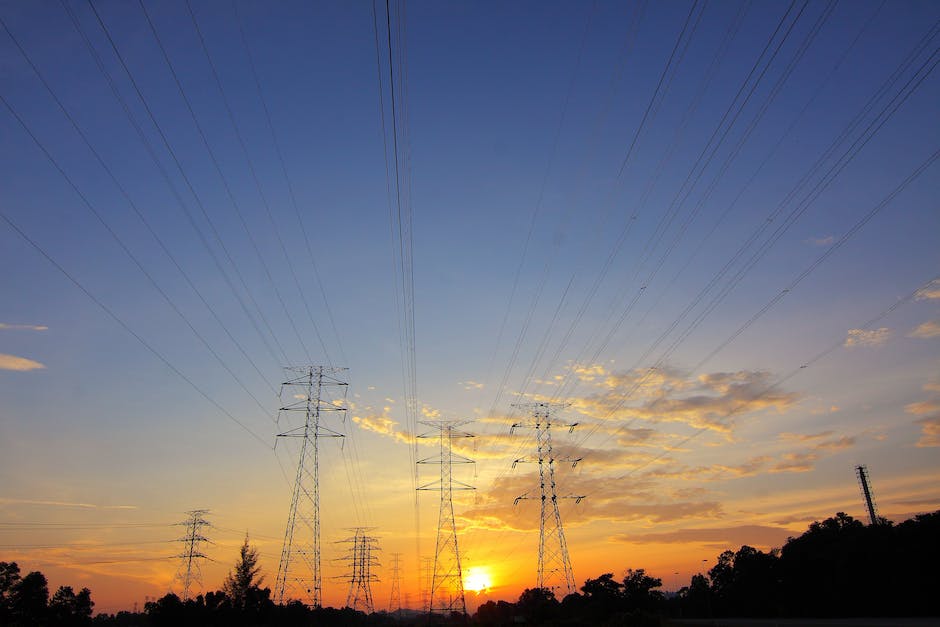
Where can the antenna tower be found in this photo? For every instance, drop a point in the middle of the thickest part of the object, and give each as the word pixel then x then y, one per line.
pixel 360 560
pixel 318 389
pixel 394 601
pixel 446 594
pixel 863 482
pixel 554 569
pixel 189 570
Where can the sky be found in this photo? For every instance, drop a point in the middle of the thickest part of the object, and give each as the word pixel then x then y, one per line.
pixel 706 232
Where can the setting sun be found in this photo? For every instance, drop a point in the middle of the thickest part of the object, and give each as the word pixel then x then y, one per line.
pixel 477 579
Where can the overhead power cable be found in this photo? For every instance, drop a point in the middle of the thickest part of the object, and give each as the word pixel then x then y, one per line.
pixel 101 218
pixel 225 184
pixel 111 314
pixel 283 358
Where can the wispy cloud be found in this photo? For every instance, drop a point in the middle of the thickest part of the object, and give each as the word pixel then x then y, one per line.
pixel 866 337
pixel 752 535
pixel 23 327
pixel 19 364
pixel 663 395
pixel 13 502
pixel 821 241
pixel 383 425
pixel 931 292
pixel 470 385
pixel 929 329
pixel 930 432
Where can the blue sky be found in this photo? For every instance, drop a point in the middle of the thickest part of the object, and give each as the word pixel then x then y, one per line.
pixel 538 140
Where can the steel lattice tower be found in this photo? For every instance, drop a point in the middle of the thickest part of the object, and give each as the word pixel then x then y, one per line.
pixel 446 594
pixel 554 568
pixel 360 561
pixel 394 600
pixel 189 570
pixel 298 573
pixel 865 485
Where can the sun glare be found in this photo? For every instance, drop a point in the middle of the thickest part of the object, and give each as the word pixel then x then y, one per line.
pixel 477 579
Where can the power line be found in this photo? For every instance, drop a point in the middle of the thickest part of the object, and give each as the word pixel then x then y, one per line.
pixel 111 314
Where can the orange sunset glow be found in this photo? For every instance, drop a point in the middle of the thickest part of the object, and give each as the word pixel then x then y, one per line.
pixel 437 303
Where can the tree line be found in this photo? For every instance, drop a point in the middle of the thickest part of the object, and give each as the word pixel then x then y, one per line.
pixel 837 568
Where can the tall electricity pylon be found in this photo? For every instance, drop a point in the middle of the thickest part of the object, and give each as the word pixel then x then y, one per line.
pixel 360 577
pixel 394 600
pixel 864 484
pixel 427 575
pixel 554 569
pixel 322 389
pixel 189 570
pixel 446 594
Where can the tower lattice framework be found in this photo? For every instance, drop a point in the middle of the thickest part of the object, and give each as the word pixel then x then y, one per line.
pixel 554 565
pixel 316 390
pixel 446 593
pixel 394 599
pixel 864 484
pixel 361 562
pixel 189 571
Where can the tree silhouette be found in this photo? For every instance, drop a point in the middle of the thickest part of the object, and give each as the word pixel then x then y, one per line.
pixel 243 584
pixel 67 608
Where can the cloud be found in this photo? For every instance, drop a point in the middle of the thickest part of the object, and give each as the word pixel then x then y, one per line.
pixel 929 329
pixel 383 425
pixel 471 385
pixel 663 395
pixel 837 444
pixel 19 364
pixel 922 407
pixel 7 501
pixel 805 437
pixel 930 292
pixel 796 462
pixel 752 535
pixel 22 327
pixel 821 241
pixel 930 432
pixel 863 337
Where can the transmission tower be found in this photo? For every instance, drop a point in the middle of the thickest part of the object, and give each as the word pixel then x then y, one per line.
pixel 189 569
pixel 394 601
pixel 446 593
pixel 360 561
pixel 554 569
pixel 426 574
pixel 317 389
pixel 863 482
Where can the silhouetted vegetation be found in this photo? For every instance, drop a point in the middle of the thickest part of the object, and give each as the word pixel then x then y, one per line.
pixel 24 601
pixel 838 568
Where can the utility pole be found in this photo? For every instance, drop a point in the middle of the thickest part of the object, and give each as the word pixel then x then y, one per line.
pixel 862 473
pixel 554 566
pixel 360 561
pixel 189 570
pixel 394 601
pixel 446 594
pixel 315 390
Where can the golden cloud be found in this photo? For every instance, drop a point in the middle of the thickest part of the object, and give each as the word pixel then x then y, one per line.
pixel 796 462
pixel 922 407
pixel 930 432
pixel 930 292
pixel 752 535
pixel 927 330
pixel 22 327
pixel 867 337
pixel 663 395
pixel 383 425
pixel 18 364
